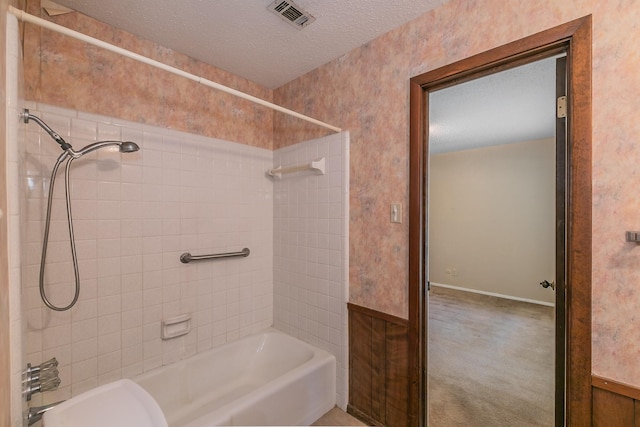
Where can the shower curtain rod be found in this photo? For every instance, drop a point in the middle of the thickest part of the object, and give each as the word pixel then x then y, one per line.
pixel 23 16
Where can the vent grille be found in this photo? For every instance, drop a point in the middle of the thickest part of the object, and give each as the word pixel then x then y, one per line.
pixel 291 13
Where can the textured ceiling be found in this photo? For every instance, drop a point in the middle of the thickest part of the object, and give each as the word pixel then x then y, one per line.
pixel 246 39
pixel 515 105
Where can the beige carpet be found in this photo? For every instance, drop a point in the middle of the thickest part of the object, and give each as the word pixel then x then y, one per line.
pixel 491 361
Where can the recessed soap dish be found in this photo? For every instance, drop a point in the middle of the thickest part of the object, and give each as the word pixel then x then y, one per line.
pixel 176 326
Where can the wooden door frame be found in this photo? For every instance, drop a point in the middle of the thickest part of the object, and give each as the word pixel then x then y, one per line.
pixel 575 39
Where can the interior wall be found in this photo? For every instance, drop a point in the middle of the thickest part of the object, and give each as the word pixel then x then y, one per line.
pixel 93 80
pixel 366 91
pixel 492 219
pixel 134 215
pixel 310 249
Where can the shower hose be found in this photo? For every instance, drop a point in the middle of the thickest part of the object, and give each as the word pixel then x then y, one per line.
pixel 45 242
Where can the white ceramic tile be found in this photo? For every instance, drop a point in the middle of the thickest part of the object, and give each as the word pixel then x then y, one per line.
pixel 85 129
pixel 109 267
pixel 131 173
pixel 307 245
pixel 108 305
pixel 132 318
pixel 152 314
pixel 95 118
pixel 172 142
pixel 84 370
pixel 132 281
pixel 108 248
pixel 133 216
pixel 109 324
pixel 56 336
pixel 109 191
pixel 56 119
pixel 152 141
pixel 152 355
pixel 131 228
pixel 84 329
pixel 132 338
pixel 85 210
pixel 132 370
pixel 109 132
pixel 84 309
pixel 83 350
pixel 109 343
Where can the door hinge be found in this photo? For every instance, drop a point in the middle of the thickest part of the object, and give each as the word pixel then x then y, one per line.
pixel 562 107
pixel 428 286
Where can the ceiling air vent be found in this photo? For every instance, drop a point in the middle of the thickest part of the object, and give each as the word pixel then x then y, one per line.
pixel 291 13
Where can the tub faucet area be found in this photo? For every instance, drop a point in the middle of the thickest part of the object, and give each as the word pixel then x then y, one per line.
pixel 36 412
pixel 268 378
pixel 40 378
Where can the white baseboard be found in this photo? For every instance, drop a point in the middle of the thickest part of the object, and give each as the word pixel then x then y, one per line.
pixel 493 294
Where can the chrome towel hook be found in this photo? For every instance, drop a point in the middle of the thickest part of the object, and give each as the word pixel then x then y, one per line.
pixel 633 236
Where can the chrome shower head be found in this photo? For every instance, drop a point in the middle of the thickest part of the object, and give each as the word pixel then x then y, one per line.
pixel 123 147
pixel 128 147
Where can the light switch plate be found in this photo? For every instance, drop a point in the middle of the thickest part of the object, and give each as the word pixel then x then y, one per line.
pixel 396 212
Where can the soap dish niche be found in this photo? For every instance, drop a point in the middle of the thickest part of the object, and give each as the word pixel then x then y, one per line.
pixel 176 326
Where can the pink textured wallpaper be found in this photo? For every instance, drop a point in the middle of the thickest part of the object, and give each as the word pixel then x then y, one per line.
pixel 65 72
pixel 366 92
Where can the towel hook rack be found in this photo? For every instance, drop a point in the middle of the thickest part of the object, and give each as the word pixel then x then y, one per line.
pixel 317 165
pixel 633 236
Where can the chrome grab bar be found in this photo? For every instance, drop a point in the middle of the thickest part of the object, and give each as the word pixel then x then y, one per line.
pixel 186 257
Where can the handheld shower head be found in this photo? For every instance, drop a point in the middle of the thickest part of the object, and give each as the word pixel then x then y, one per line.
pixel 128 147
pixel 123 147
pixel 69 155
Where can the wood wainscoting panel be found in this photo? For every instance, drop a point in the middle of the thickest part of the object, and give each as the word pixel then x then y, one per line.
pixel 360 366
pixel 378 367
pixel 397 374
pixel 614 404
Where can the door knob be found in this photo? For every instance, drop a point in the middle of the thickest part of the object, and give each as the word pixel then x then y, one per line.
pixel 546 284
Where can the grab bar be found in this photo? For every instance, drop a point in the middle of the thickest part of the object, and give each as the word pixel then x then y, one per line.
pixel 187 257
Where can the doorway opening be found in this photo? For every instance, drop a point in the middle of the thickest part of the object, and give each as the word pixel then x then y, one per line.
pixel 492 248
pixel 573 229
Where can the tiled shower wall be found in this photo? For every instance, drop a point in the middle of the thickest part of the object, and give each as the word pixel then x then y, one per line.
pixel 134 215
pixel 311 217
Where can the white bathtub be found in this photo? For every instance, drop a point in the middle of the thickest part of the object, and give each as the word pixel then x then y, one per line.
pixel 265 379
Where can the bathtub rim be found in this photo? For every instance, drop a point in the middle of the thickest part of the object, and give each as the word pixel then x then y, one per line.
pixel 225 413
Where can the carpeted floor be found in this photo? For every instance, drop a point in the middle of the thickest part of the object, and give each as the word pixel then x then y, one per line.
pixel 491 361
